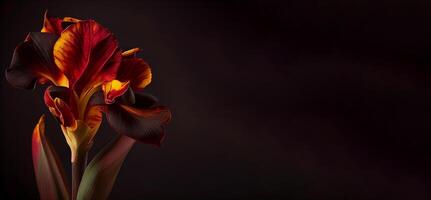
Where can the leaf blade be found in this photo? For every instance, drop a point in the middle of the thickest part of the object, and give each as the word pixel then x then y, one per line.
pixel 100 174
pixel 50 176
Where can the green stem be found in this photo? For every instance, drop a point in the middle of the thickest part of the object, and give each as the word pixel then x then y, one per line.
pixel 78 167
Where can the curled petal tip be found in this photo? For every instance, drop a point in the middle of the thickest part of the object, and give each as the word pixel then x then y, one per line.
pixel 51 24
pixel 137 71
pixel 113 89
pixel 142 124
pixel 42 118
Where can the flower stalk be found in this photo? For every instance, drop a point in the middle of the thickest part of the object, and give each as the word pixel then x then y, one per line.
pixel 78 167
pixel 80 141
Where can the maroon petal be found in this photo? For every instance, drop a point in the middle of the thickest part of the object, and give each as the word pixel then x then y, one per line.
pixel 135 70
pixel 52 24
pixel 56 25
pixel 61 102
pixel 32 62
pixel 143 124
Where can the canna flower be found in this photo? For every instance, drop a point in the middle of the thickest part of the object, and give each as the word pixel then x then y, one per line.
pixel 87 75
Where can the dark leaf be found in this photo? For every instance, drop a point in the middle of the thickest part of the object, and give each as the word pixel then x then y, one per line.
pixel 100 174
pixel 47 167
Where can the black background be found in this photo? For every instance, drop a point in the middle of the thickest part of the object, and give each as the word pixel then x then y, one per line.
pixel 280 100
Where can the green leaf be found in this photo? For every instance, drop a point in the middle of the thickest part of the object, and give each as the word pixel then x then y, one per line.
pixel 100 174
pixel 48 170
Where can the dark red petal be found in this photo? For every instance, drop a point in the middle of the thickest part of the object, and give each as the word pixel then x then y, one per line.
pixel 62 104
pixel 52 24
pixel 32 62
pixel 135 70
pixel 137 99
pixel 87 53
pixel 113 89
pixel 98 98
pixel 128 98
pixel 64 93
pixel 144 125
pixel 56 25
pixel 144 100
pixel 66 116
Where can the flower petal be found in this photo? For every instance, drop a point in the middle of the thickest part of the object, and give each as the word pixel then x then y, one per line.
pixel 51 24
pixel 135 70
pixel 144 125
pixel 56 25
pixel 49 173
pixel 87 53
pixel 70 20
pixel 64 93
pixel 32 62
pixel 93 116
pixel 113 89
pixel 137 99
pixel 60 101
pixel 98 98
pixel 144 100
pixel 66 116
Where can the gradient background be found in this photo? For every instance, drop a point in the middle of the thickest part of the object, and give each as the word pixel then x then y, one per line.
pixel 271 100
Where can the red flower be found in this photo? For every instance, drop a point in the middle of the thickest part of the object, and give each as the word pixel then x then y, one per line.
pixel 88 75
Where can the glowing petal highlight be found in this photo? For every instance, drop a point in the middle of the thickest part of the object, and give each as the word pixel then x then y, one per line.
pixel 87 53
pixel 114 89
pixel 130 52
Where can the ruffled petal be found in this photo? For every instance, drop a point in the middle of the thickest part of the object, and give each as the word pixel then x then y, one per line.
pixel 56 25
pixel 88 54
pixel 143 124
pixel 51 24
pixel 113 89
pixel 135 70
pixel 98 98
pixel 61 103
pixel 144 100
pixel 65 114
pixel 32 62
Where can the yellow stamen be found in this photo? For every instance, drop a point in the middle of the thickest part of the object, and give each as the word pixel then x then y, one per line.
pixel 130 52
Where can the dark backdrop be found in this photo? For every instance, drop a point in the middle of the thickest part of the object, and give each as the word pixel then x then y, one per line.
pixel 280 100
